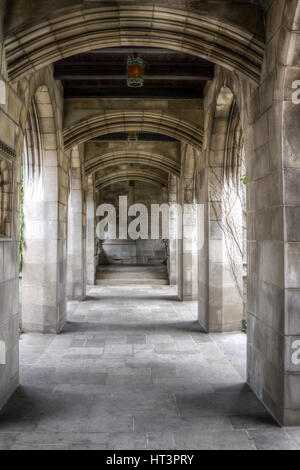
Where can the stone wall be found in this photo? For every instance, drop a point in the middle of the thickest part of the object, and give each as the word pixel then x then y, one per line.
pixel 10 108
pixel 81 109
pixel 273 221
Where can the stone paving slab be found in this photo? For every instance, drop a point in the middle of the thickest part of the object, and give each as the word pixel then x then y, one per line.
pixel 133 370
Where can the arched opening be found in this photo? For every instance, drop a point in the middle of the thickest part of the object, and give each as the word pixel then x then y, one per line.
pixel 235 191
pixel 150 168
pixel 188 243
pixel 115 162
pixel 224 308
pixel 136 259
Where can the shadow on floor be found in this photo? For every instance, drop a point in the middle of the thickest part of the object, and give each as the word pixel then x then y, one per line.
pixel 159 298
pixel 164 327
pixel 72 409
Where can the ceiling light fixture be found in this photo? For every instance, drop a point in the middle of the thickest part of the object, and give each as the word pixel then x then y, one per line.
pixel 135 71
pixel 132 136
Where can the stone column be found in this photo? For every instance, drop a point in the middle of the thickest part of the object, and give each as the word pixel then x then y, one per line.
pixel 76 275
pixel 45 188
pixel 220 279
pixel 187 247
pixel 91 262
pixel 273 184
pixel 172 261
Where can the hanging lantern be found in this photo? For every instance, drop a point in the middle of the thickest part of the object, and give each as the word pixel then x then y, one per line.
pixel 132 136
pixel 135 71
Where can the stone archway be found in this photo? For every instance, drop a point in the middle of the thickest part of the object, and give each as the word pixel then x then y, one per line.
pixel 66 33
pixel 137 175
pixel 105 160
pixel 157 122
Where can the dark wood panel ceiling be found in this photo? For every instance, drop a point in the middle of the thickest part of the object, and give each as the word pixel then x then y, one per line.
pixel 102 74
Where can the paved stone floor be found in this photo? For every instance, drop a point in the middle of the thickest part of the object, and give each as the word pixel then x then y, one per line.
pixel 131 370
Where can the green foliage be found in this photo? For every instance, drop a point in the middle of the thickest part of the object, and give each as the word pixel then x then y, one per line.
pixel 244 179
pixel 244 325
pixel 21 235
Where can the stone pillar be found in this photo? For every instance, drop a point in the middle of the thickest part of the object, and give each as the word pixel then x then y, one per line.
pixel 91 261
pixel 187 247
pixel 76 275
pixel 220 279
pixel 131 245
pixel 44 268
pixel 273 184
pixel 172 261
